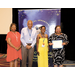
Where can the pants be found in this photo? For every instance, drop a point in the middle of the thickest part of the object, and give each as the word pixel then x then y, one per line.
pixel 27 52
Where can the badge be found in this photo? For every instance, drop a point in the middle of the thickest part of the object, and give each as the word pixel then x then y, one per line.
pixel 43 45
pixel 30 39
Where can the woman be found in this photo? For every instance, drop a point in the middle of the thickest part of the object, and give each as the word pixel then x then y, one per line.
pixel 42 48
pixel 13 46
pixel 58 54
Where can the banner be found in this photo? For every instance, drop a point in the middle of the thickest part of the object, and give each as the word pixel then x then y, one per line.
pixel 47 17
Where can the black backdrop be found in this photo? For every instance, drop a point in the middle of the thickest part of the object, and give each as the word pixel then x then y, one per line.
pixel 68 23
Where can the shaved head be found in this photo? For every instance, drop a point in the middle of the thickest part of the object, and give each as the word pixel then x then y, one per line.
pixel 29 24
pixel 29 21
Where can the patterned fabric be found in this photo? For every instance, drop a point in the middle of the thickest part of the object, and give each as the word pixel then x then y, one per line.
pixel 58 54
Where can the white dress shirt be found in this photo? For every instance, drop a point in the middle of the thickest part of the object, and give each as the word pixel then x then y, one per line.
pixel 25 36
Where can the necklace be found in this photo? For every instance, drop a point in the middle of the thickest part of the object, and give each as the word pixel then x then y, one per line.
pixel 43 36
pixel 15 36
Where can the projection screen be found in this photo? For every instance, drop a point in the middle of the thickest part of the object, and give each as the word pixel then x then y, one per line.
pixel 5 20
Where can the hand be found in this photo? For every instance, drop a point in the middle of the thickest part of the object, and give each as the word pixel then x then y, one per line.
pixel 28 47
pixel 63 43
pixel 38 53
pixel 48 51
pixel 50 43
pixel 17 48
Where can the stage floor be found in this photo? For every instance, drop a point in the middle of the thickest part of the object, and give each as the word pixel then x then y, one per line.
pixel 4 63
pixel 69 63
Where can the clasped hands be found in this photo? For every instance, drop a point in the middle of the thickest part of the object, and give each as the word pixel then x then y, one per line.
pixel 28 46
pixel 17 48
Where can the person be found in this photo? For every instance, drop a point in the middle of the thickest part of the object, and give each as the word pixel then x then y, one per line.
pixel 13 46
pixel 28 39
pixel 42 48
pixel 58 54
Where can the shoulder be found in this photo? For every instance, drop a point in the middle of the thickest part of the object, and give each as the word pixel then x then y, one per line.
pixel 33 29
pixel 17 32
pixel 64 34
pixel 38 34
pixel 52 34
pixel 46 35
pixel 24 28
pixel 9 33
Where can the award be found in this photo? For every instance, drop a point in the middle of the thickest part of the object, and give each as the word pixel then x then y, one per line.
pixel 57 44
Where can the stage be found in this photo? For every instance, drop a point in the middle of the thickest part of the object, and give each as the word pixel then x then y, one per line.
pixel 69 63
pixel 4 63
pixel 67 25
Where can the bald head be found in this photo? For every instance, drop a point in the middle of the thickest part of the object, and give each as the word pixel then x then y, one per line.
pixel 29 21
pixel 29 24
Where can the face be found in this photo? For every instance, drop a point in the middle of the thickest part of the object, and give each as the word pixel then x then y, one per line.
pixel 30 24
pixel 58 30
pixel 43 30
pixel 13 28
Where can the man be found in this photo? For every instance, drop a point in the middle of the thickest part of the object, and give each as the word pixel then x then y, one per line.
pixel 28 39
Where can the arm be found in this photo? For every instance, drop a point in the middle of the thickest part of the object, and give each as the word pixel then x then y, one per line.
pixel 22 38
pixel 19 47
pixel 34 40
pixel 48 44
pixel 65 41
pixel 37 43
pixel 50 40
pixel 9 42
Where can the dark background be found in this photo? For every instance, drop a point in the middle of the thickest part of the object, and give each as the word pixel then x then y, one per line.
pixel 68 27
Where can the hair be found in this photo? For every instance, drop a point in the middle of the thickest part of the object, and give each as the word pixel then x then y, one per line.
pixel 12 25
pixel 43 26
pixel 56 27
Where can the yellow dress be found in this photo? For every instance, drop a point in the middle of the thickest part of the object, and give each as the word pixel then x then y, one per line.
pixel 43 53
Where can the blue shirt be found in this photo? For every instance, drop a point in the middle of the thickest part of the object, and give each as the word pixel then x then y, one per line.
pixel 25 36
